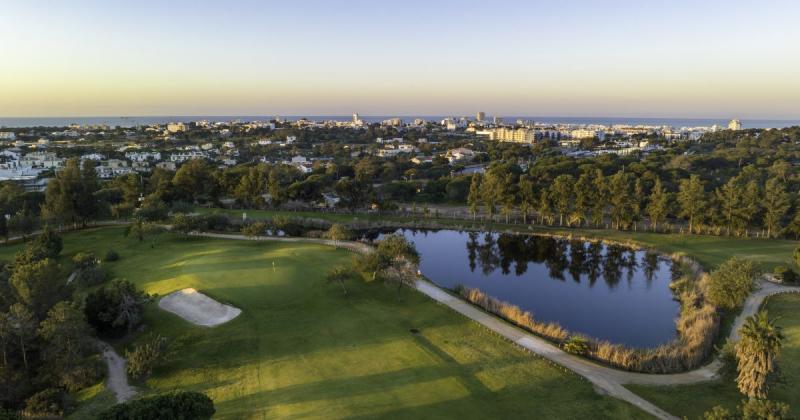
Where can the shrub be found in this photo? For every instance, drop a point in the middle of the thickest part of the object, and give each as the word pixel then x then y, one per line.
pixel 111 255
pixel 174 406
pixel 84 260
pixel 50 402
pixel 9 415
pixel 731 283
pixel 784 274
pixel 87 373
pixel 146 356
pixel 755 409
pixel 576 344
pixel 91 277
pixel 254 229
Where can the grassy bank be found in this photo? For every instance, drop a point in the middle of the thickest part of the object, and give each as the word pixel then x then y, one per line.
pixel 693 400
pixel 302 349
pixel 709 251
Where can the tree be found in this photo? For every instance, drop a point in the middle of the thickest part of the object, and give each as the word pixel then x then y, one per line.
pixel 776 204
pixel 600 198
pixel 757 352
pixel 691 198
pixel 4 227
pixel 194 181
pixel 545 207
pixel 492 187
pixel 251 187
pixel 23 326
pixel 66 337
pixel 526 197
pixel 619 197
pixel 338 232
pixel 5 336
pixel 794 226
pixel 583 198
pixel 729 197
pixel 474 197
pixel 140 228
pixel 561 191
pixel 731 283
pixel 39 285
pixel 114 309
pixel 657 207
pixel 749 207
pixel 340 275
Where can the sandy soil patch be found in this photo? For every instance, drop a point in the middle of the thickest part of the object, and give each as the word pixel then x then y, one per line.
pixel 198 308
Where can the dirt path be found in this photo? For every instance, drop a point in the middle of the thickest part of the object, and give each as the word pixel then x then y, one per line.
pixel 117 381
pixel 605 379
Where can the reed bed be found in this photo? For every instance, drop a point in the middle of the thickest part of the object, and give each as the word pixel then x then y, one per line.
pixel 697 327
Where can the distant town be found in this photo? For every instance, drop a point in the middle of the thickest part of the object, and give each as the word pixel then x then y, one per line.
pixel 33 154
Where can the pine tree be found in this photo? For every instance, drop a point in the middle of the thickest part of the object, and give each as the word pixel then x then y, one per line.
pixel 526 196
pixel 692 200
pixel 562 195
pixel 600 197
pixel 657 207
pixel 474 197
pixel 776 204
pixel 729 197
pixel 583 198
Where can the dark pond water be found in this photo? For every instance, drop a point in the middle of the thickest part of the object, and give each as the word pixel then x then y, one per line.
pixel 608 292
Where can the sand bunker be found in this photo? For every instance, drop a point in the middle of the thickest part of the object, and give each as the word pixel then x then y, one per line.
pixel 198 308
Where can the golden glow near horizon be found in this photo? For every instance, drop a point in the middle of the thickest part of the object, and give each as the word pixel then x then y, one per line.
pixel 321 58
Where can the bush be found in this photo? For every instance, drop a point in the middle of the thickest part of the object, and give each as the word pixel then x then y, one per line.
pixel 731 283
pixel 576 344
pixel 174 406
pixel 84 260
pixel 254 229
pixel 111 255
pixel 91 277
pixel 87 373
pixel 755 409
pixel 50 402
pixel 784 274
pixel 146 356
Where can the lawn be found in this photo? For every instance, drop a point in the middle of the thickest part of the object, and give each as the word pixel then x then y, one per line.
pixel 693 400
pixel 709 251
pixel 303 349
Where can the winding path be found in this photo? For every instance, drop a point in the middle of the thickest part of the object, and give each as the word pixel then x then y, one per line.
pixel 606 380
pixel 117 381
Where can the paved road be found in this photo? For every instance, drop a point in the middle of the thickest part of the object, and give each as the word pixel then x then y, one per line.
pixel 117 381
pixel 605 379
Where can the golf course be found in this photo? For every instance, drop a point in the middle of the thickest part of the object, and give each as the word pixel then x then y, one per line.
pixel 301 348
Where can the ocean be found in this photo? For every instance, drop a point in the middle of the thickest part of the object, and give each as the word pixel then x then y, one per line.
pixel 147 120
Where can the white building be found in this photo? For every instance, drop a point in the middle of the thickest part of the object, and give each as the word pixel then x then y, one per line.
pixel 143 156
pixel 176 127
pixel 735 125
pixel 7 135
pixel 459 155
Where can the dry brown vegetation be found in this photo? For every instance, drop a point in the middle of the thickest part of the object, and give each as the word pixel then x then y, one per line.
pixel 697 327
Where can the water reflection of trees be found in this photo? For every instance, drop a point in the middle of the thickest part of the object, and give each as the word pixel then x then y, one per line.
pixel 509 253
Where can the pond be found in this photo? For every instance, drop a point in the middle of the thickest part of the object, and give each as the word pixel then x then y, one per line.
pixel 609 292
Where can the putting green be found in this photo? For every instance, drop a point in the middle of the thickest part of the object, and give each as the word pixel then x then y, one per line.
pixel 300 348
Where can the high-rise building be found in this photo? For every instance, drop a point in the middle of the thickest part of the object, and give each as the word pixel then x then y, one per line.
pixel 357 120
pixel 735 125
pixel 480 116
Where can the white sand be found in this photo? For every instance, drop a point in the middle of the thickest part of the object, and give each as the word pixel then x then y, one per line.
pixel 198 308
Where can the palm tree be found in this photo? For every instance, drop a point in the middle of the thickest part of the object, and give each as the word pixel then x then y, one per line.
pixel 757 352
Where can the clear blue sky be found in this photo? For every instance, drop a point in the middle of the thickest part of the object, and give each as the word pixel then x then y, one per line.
pixel 572 58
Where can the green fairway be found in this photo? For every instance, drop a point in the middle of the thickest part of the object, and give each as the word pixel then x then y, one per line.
pixel 693 400
pixel 302 349
pixel 709 251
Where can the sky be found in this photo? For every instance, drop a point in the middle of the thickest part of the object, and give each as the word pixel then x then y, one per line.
pixel 642 58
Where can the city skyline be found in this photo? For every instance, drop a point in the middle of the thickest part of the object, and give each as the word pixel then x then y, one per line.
pixel 622 58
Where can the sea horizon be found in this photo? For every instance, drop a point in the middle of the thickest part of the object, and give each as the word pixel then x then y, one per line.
pixel 133 121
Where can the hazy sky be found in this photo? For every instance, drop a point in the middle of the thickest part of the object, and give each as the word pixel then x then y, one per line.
pixel 731 58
